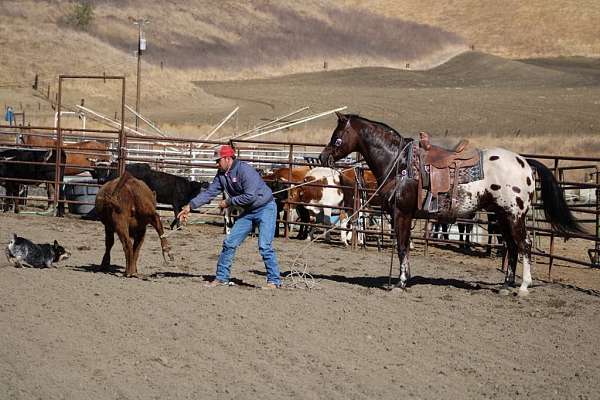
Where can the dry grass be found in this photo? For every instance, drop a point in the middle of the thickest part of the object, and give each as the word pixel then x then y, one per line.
pixel 509 28
pixel 199 41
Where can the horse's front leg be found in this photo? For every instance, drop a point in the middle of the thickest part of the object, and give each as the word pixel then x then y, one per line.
pixel 402 229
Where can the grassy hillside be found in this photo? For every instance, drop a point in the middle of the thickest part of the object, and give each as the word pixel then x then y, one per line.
pixel 509 28
pixel 197 40
pixel 202 40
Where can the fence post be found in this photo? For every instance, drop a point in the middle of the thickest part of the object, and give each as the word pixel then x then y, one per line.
pixel 287 214
pixel 427 236
pixel 551 258
pixel 122 136
pixel 355 207
pixel 58 146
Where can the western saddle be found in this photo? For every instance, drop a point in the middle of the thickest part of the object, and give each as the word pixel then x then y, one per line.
pixel 440 171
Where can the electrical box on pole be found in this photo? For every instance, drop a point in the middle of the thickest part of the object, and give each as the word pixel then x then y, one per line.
pixel 142 42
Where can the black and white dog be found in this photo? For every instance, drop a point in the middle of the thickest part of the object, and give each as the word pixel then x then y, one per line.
pixel 24 253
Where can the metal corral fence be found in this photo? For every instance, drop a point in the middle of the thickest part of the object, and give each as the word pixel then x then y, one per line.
pixel 193 159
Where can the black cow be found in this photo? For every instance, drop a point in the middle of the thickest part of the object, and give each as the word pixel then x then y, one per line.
pixel 170 189
pixel 34 172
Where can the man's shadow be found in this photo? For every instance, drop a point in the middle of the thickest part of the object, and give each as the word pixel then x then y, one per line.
pixel 382 282
pixel 118 271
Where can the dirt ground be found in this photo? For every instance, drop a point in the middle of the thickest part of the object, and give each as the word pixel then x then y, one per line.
pixel 78 332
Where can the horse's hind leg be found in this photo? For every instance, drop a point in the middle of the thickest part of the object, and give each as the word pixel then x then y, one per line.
pixel 523 243
pixel 505 228
pixel 517 242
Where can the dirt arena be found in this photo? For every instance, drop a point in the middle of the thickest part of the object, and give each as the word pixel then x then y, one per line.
pixel 78 332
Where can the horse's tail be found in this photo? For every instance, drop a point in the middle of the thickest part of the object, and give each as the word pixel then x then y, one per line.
pixel 555 205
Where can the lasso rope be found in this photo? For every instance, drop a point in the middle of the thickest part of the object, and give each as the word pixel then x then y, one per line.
pixel 180 228
pixel 307 279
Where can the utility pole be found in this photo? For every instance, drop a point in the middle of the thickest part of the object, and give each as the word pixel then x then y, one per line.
pixel 141 47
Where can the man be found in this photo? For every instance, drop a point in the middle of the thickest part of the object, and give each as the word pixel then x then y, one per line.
pixel 245 189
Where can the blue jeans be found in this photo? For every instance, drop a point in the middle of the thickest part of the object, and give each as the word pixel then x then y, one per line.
pixel 265 217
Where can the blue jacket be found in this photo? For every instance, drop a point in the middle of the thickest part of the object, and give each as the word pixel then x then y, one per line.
pixel 243 185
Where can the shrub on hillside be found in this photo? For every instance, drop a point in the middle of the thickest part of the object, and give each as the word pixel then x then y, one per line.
pixel 81 16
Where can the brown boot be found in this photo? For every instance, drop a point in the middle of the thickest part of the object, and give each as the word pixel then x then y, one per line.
pixel 270 285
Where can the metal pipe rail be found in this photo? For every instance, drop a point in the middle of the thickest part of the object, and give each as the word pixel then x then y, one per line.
pixel 253 151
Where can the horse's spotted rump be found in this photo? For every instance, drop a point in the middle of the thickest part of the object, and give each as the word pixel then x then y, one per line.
pixel 494 158
pixel 530 196
pixel 520 203
pixel 528 181
pixel 493 186
pixel 521 162
pixel 516 189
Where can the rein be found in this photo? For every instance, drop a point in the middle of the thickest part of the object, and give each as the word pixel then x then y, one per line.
pixel 303 274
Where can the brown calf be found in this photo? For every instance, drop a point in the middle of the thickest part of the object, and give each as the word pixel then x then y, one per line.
pixel 126 206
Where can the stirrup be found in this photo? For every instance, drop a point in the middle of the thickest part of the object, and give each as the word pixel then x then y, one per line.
pixel 431 203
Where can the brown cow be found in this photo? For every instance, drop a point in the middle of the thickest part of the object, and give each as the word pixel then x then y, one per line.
pixel 126 206
pixel 81 156
pixel 368 184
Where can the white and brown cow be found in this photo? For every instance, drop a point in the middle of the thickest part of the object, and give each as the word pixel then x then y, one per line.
pixel 317 196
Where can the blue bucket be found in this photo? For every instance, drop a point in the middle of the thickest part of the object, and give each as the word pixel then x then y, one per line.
pixel 76 192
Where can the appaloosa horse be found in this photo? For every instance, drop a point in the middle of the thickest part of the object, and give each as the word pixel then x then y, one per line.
pixel 506 188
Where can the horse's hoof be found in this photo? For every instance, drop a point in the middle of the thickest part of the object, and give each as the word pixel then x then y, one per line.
pixel 523 293
pixel 504 292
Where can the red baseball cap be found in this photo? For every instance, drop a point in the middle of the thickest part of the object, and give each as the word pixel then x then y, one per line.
pixel 224 151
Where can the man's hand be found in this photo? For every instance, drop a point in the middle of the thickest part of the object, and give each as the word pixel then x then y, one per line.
pixel 184 213
pixel 223 204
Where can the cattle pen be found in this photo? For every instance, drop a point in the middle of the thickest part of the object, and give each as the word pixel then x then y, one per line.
pixel 192 158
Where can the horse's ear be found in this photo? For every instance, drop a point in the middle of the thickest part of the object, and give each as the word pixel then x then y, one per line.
pixel 340 116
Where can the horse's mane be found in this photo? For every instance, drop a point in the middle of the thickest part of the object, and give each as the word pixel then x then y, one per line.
pixel 382 124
